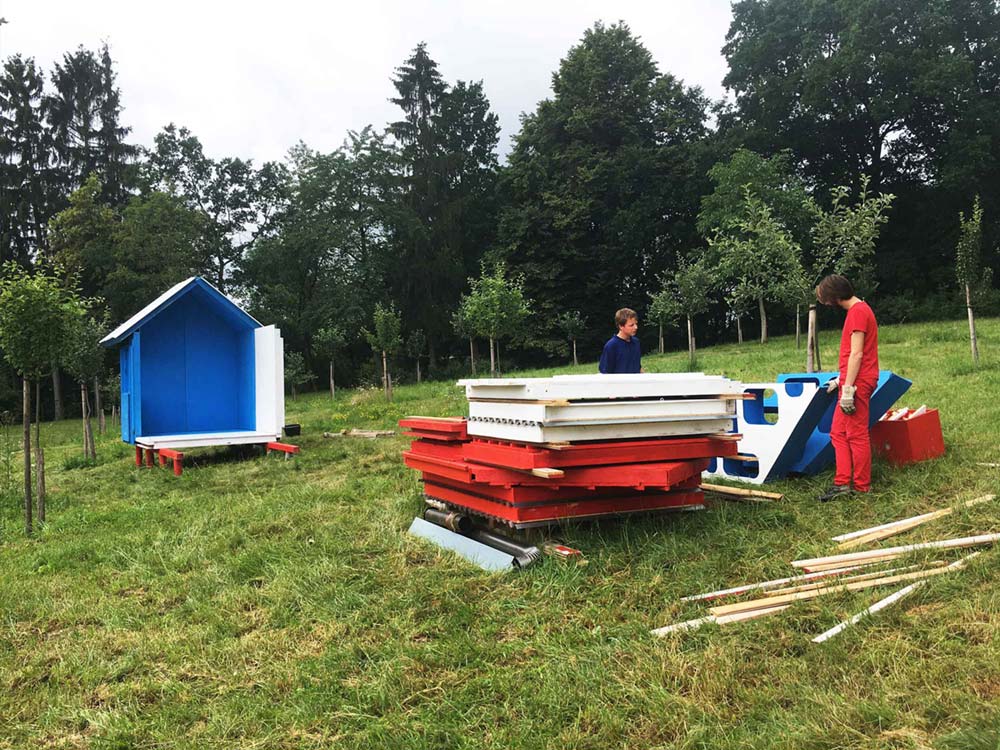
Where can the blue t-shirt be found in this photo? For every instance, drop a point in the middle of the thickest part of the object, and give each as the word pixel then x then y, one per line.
pixel 621 357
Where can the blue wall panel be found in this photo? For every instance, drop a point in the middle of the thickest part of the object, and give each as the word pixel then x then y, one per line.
pixel 197 369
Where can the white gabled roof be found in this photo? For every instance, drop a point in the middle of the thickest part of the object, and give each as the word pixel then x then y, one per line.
pixel 126 328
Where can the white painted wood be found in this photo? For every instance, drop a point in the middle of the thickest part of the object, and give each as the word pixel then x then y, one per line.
pixel 768 584
pixel 883 603
pixel 678 627
pixel 766 441
pixel 266 341
pixel 853 557
pixel 605 411
pixel 155 305
pixel 587 387
pixel 913 519
pixel 204 439
pixel 530 432
pixel 279 381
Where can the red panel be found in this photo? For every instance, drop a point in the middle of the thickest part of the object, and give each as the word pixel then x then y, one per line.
pixel 909 440
pixel 283 447
pixel 520 456
pixel 440 428
pixel 518 495
pixel 437 449
pixel 558 511
pixel 637 476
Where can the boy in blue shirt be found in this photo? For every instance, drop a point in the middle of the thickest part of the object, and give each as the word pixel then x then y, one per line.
pixel 622 354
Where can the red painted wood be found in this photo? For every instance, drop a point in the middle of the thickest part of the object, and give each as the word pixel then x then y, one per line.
pixel 440 428
pixel 283 447
pixel 138 456
pixel 519 495
pixel 559 511
pixel 521 456
pixel 149 457
pixel 636 476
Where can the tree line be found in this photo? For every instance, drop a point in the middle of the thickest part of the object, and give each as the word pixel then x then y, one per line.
pixel 860 137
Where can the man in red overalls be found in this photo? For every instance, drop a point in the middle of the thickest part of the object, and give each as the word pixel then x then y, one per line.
pixel 858 377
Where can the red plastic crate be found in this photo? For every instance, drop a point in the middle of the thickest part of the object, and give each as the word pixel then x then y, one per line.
pixel 909 440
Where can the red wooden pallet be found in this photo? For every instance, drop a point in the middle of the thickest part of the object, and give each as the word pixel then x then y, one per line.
pixel 553 512
pixel 520 456
pixel 446 429
pixel 637 476
pixel 518 495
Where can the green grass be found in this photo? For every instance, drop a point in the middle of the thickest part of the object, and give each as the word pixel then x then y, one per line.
pixel 265 603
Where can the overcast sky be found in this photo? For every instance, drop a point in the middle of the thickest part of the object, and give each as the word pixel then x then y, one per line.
pixel 251 79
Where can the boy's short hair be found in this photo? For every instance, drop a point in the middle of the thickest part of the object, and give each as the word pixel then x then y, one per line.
pixel 624 315
pixel 833 289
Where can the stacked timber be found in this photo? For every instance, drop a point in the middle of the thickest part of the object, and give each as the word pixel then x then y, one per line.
pixel 537 451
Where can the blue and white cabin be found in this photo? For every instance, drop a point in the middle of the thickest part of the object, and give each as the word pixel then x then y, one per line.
pixel 197 370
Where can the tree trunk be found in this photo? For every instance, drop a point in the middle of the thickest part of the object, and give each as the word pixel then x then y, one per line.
pixel 386 388
pixel 39 458
pixel 98 407
pixel 26 418
pixel 661 338
pixel 816 359
pixel 388 379
pixel 418 369
pixel 739 330
pixel 690 341
pixel 972 326
pixel 89 448
pixel 798 326
pixel 763 320
pixel 57 396
pixel 811 339
pixel 575 360
pixel 333 389
pixel 493 360
pixel 472 355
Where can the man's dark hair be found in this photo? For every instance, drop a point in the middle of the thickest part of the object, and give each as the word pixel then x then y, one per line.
pixel 833 289
pixel 624 315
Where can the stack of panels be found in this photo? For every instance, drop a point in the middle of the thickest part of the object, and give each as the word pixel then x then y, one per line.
pixel 521 484
pixel 572 408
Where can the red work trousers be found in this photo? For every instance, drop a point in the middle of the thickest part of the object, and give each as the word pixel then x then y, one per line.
pixel 852 442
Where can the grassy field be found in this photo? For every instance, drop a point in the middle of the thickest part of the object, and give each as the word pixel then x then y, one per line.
pixel 264 603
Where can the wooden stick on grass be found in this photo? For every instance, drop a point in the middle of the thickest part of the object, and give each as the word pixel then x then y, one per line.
pixel 882 604
pixel 890 552
pixel 857 538
pixel 740 492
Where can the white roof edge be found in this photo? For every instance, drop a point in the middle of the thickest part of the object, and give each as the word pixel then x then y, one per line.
pixel 159 302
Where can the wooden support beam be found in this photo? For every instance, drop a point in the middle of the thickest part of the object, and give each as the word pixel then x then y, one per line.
pixel 546 473
pixel 853 557
pixel 776 601
pixel 741 492
pixel 763 585
pixel 864 536
pixel 881 604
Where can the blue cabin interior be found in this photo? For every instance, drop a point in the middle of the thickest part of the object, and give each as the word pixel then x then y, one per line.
pixel 190 368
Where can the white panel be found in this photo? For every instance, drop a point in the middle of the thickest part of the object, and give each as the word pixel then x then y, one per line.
pixel 532 432
pixel 606 412
pixel 577 387
pixel 766 441
pixel 279 382
pixel 269 374
pixel 204 439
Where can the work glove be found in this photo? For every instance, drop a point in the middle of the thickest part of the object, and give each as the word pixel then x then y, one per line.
pixel 832 384
pixel 847 399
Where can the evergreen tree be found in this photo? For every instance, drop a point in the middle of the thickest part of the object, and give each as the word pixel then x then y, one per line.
pixel 25 155
pixel 604 180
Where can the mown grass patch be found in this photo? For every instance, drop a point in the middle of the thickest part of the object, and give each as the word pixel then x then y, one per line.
pixel 263 602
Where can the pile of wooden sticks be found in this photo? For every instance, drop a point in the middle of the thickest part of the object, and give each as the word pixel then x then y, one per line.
pixel 842 572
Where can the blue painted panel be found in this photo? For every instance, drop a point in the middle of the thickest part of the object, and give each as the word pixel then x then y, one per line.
pixel 135 398
pixel 817 452
pixel 197 369
pixel 126 392
pixel 246 388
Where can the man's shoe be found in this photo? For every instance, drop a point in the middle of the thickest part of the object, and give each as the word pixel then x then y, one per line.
pixel 835 493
